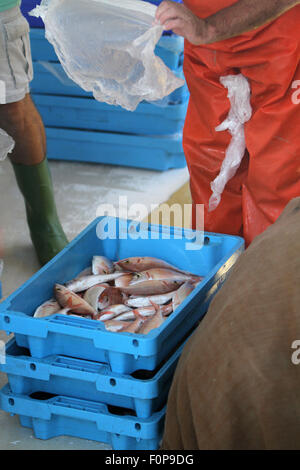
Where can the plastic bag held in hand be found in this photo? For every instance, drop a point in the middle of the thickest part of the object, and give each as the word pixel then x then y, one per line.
pixel 240 112
pixel 6 144
pixel 107 47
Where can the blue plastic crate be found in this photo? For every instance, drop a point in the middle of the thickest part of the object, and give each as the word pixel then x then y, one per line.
pixel 88 339
pixel 169 49
pixel 144 392
pixel 152 152
pixel 65 416
pixel 28 5
pixel 87 113
pixel 158 2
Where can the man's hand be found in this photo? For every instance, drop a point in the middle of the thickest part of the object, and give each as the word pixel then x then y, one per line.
pixel 239 18
pixel 182 21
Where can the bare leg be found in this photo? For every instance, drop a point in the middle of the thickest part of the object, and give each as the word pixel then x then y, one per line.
pixel 23 123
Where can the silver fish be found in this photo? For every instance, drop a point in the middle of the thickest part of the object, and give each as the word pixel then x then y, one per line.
pixel 114 326
pixel 143 263
pixel 145 311
pixel 112 311
pixel 145 301
pixel 102 265
pixel 83 283
pixel 126 316
pixel 159 274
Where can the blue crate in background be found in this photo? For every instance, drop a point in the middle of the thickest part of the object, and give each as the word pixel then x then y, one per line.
pixel 87 339
pixel 28 5
pixel 158 2
pixel 152 152
pixel 144 393
pixel 87 113
pixel 50 416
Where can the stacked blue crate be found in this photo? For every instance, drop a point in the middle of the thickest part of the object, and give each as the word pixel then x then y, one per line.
pixel 70 376
pixel 80 128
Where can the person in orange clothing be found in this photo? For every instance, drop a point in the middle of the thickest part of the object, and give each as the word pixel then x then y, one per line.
pixel 261 40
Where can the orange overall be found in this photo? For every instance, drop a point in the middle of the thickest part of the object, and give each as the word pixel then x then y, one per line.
pixel 269 175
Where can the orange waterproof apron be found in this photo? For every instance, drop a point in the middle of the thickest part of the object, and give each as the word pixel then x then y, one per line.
pixel 269 175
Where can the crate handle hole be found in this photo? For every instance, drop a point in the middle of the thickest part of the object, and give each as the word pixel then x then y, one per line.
pixel 137 426
pixel 11 401
pixel 206 240
pixel 6 319
pixel 113 382
pixel 32 366
pixel 135 343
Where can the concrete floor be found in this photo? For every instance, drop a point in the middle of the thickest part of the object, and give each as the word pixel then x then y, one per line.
pixel 80 188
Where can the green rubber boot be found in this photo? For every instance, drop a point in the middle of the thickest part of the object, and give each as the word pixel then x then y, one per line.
pixel 46 232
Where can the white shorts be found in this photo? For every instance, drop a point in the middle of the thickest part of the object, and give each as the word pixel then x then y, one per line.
pixel 16 70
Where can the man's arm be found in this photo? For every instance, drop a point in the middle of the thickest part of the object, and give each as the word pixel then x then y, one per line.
pixel 243 16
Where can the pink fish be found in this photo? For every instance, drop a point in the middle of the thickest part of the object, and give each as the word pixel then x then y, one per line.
pixel 78 316
pixel 102 265
pixel 143 263
pixel 110 296
pixel 134 326
pixel 151 287
pixel 153 322
pixel 68 299
pixel 123 280
pixel 47 308
pixel 182 293
pixel 166 309
pixel 91 295
pixel 85 272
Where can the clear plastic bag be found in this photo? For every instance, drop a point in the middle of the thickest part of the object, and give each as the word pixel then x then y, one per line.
pixel 240 112
pixel 107 47
pixel 6 144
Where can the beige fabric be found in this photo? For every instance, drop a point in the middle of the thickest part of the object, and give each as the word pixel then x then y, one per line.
pixel 15 56
pixel 235 386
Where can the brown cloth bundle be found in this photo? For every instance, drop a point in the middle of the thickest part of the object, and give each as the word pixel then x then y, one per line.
pixel 235 386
